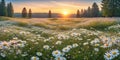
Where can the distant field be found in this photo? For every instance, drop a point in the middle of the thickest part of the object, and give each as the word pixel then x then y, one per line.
pixel 68 23
pixel 59 38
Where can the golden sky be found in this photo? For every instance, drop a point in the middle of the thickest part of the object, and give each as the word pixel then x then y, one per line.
pixel 54 6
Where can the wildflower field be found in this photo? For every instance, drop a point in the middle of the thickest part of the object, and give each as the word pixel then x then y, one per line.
pixel 59 39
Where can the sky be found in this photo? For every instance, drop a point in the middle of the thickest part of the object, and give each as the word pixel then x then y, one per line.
pixel 56 6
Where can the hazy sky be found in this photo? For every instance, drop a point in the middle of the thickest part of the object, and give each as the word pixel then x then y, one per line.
pixel 56 6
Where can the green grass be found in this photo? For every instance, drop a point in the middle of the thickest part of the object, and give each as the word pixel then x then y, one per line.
pixel 68 31
pixel 3 18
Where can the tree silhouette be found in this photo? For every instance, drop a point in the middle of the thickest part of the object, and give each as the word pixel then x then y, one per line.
pixel 10 11
pixel 30 13
pixel 24 13
pixel 95 10
pixel 81 13
pixel 78 14
pixel 3 11
pixel 89 12
pixel 49 14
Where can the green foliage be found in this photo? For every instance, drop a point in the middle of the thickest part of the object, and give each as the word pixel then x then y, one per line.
pixel 98 25
pixel 3 11
pixel 95 10
pixel 22 24
pixel 91 11
pixel 3 18
pixel 41 25
pixel 10 11
pixel 111 8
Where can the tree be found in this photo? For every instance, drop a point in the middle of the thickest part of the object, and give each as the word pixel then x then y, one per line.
pixel 81 13
pixel 49 14
pixel 95 10
pixel 89 13
pixel 24 13
pixel 30 13
pixel 10 11
pixel 85 13
pixel 111 8
pixel 3 11
pixel 78 14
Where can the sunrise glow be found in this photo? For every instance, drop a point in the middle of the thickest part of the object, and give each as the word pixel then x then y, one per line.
pixel 65 13
pixel 42 6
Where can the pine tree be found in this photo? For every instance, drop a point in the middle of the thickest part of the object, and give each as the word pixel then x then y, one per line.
pixel 3 11
pixel 111 8
pixel 118 8
pixel 78 14
pixel 24 13
pixel 105 9
pixel 89 13
pixel 49 14
pixel 10 11
pixel 30 13
pixel 81 13
pixel 85 13
pixel 95 10
pixel 0 8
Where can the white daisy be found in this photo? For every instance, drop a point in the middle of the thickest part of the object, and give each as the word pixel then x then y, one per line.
pixel 56 53
pixel 46 47
pixel 58 43
pixel 66 49
pixel 34 58
pixel 38 53
pixel 115 52
pixel 60 58
pixel 108 56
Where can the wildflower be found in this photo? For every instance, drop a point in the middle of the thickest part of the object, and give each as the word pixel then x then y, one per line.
pixel 115 52
pixel 107 45
pixel 3 55
pixel 34 58
pixel 58 43
pixel 61 36
pixel 75 34
pixel 60 58
pixel 86 43
pixel 96 49
pixel 75 45
pixel 56 53
pixel 66 49
pixel 69 46
pixel 24 54
pixel 46 47
pixel 108 56
pixel 38 53
pixel 18 52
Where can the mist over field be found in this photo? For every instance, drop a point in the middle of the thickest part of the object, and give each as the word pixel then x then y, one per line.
pixel 45 15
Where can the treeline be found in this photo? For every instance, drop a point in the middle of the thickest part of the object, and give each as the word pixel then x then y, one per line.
pixel 28 14
pixel 90 12
pixel 110 8
pixel 6 10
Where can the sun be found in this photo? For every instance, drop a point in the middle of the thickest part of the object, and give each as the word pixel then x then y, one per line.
pixel 65 13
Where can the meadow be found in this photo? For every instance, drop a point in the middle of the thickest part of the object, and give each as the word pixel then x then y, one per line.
pixel 59 38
